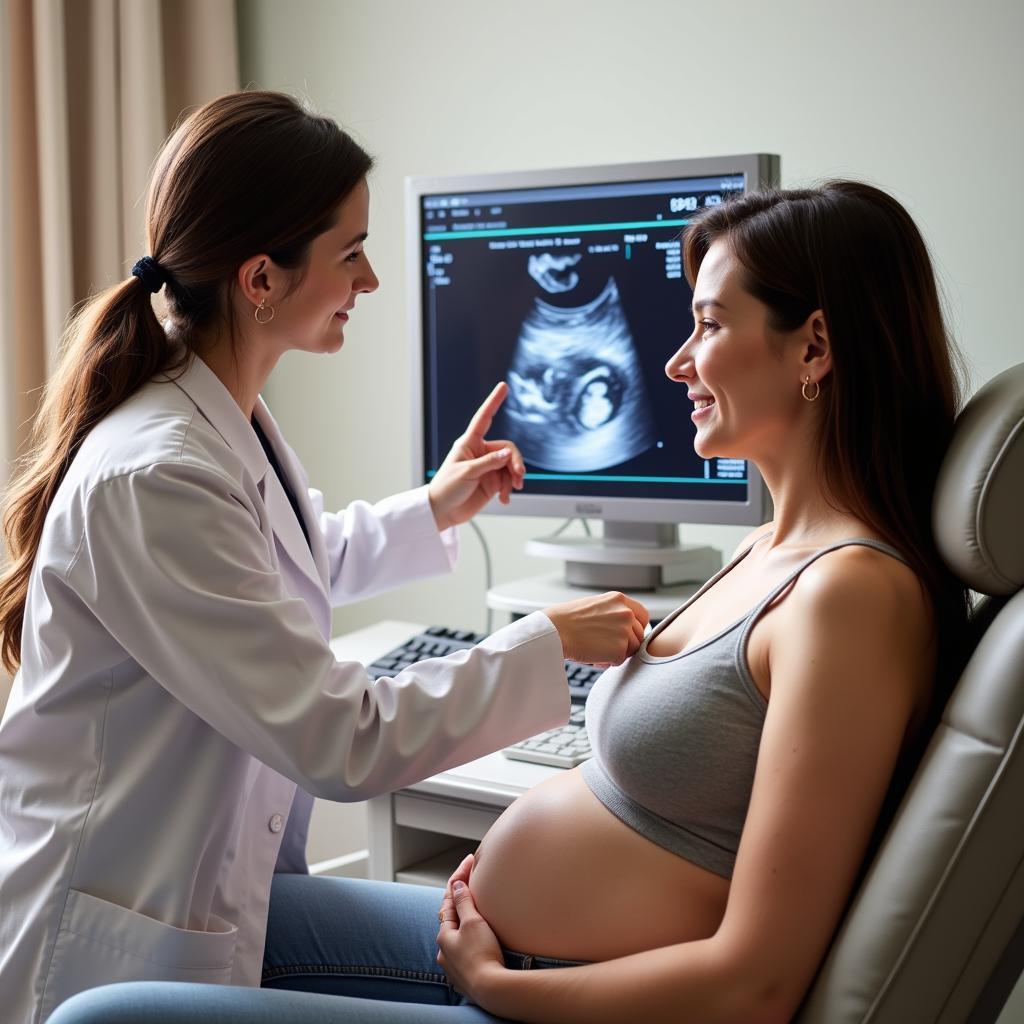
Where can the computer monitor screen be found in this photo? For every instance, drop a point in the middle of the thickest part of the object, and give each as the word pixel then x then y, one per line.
pixel 569 286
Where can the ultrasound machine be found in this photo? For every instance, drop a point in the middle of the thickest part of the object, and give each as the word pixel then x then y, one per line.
pixel 569 285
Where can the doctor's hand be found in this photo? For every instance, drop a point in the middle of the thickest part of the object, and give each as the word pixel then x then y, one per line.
pixel 603 630
pixel 476 469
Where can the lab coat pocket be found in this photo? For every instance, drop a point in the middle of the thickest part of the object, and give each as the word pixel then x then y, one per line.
pixel 100 942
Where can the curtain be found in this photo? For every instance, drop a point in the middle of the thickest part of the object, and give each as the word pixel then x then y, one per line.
pixel 89 89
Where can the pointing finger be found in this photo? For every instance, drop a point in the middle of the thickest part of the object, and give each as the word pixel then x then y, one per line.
pixel 481 421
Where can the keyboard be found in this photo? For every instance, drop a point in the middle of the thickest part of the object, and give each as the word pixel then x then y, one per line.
pixel 564 747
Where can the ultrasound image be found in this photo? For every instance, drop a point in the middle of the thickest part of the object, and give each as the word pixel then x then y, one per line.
pixel 577 401
pixel 548 271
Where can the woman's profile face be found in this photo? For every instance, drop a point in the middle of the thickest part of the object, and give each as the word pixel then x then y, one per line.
pixel 744 388
pixel 313 317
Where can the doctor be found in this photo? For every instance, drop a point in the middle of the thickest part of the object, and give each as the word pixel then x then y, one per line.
pixel 171 577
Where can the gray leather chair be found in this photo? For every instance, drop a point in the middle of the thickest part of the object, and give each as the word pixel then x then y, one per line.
pixel 935 934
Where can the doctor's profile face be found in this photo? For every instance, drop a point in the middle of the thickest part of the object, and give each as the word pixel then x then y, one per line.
pixel 312 317
pixel 738 373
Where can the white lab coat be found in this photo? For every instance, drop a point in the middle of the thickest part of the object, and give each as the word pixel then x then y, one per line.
pixel 176 685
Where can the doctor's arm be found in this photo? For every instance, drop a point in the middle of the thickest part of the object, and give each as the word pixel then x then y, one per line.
pixel 842 695
pixel 175 565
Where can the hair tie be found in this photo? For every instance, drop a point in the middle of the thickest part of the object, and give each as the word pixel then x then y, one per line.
pixel 150 273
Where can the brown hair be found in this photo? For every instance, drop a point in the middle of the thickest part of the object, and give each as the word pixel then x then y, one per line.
pixel 250 172
pixel 887 408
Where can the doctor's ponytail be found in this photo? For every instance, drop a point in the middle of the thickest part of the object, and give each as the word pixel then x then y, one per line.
pixel 111 348
pixel 251 172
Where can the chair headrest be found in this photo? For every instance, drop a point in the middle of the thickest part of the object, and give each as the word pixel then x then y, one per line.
pixel 979 493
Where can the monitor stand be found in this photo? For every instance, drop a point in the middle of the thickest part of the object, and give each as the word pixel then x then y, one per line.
pixel 643 559
pixel 630 556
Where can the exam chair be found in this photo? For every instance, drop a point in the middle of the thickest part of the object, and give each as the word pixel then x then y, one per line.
pixel 935 933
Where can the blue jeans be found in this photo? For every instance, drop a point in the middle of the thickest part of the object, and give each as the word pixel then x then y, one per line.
pixel 338 950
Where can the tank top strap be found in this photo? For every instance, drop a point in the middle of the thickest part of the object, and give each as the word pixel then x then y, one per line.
pixel 868 542
pixel 728 567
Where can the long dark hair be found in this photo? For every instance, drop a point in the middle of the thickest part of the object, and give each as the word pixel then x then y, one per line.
pixel 250 172
pixel 887 409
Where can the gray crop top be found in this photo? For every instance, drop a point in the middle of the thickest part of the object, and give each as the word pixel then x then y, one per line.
pixel 675 739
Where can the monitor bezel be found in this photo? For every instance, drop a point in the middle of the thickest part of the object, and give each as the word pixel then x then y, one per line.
pixel 759 170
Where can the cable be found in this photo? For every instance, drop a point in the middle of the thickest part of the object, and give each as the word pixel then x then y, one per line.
pixel 488 570
pixel 568 522
pixel 560 530
pixel 488 573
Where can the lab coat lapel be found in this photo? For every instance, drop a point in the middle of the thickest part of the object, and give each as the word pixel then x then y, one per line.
pixel 214 401
pixel 310 558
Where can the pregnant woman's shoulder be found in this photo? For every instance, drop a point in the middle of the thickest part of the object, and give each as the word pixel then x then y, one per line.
pixel 856 613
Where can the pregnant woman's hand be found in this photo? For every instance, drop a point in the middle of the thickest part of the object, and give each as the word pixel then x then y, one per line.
pixel 602 630
pixel 468 950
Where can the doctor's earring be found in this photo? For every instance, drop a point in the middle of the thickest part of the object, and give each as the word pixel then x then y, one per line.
pixel 811 397
pixel 263 313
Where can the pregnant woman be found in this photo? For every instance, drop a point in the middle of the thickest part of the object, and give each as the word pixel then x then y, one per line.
pixel 697 867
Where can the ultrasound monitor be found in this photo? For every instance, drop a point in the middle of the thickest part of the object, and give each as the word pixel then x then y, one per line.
pixel 568 284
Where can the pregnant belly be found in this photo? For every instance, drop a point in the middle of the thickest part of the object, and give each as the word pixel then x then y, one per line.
pixel 559 875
